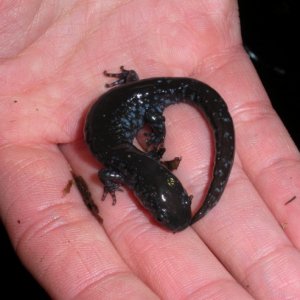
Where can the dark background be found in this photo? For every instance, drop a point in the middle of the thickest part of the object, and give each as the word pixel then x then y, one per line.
pixel 269 33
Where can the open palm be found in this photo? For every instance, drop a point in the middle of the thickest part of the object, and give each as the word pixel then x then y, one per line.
pixel 53 54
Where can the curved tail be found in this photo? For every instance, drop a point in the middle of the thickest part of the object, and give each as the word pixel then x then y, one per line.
pixel 216 112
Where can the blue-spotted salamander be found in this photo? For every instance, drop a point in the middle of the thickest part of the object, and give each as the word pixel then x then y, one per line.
pixel 116 117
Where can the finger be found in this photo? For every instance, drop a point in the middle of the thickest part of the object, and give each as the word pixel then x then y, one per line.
pixel 269 156
pixel 242 231
pixel 54 234
pixel 271 160
pixel 247 239
pixel 173 265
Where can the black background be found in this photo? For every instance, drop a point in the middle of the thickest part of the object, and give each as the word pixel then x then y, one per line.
pixel 270 33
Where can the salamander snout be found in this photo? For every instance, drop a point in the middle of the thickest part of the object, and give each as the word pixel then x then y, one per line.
pixel 167 200
pixel 174 210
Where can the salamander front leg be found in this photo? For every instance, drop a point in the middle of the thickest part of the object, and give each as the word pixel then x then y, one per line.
pixel 111 181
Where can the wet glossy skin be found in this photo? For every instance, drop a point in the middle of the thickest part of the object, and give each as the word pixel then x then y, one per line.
pixel 114 120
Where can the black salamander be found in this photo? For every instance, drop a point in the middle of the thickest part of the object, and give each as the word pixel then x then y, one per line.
pixel 114 121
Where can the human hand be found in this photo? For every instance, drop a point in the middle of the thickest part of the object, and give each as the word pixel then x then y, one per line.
pixel 52 59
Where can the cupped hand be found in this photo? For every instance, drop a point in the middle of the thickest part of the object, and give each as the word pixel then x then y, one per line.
pixel 53 54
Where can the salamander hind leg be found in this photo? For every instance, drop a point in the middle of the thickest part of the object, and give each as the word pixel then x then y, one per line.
pixel 156 137
pixel 172 164
pixel 123 77
pixel 111 181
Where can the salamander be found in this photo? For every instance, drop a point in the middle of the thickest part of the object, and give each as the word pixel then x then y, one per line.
pixel 116 117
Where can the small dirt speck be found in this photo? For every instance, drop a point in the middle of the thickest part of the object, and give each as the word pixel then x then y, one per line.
pixel 291 200
pixel 87 196
pixel 67 188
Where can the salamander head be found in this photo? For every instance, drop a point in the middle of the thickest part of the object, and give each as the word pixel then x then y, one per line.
pixel 167 201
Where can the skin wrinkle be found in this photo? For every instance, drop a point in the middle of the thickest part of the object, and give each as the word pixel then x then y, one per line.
pixel 265 258
pixel 51 230
pixel 30 27
pixel 101 281
pixel 279 163
pixel 32 23
pixel 214 287
pixel 124 285
pixel 50 219
pixel 25 114
pixel 212 64
pixel 261 262
pixel 100 275
pixel 48 117
pixel 23 168
pixel 32 186
pixel 40 39
pixel 271 162
pixel 162 264
pixel 131 221
pixel 248 112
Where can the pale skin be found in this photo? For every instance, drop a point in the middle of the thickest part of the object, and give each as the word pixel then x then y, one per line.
pixel 53 54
